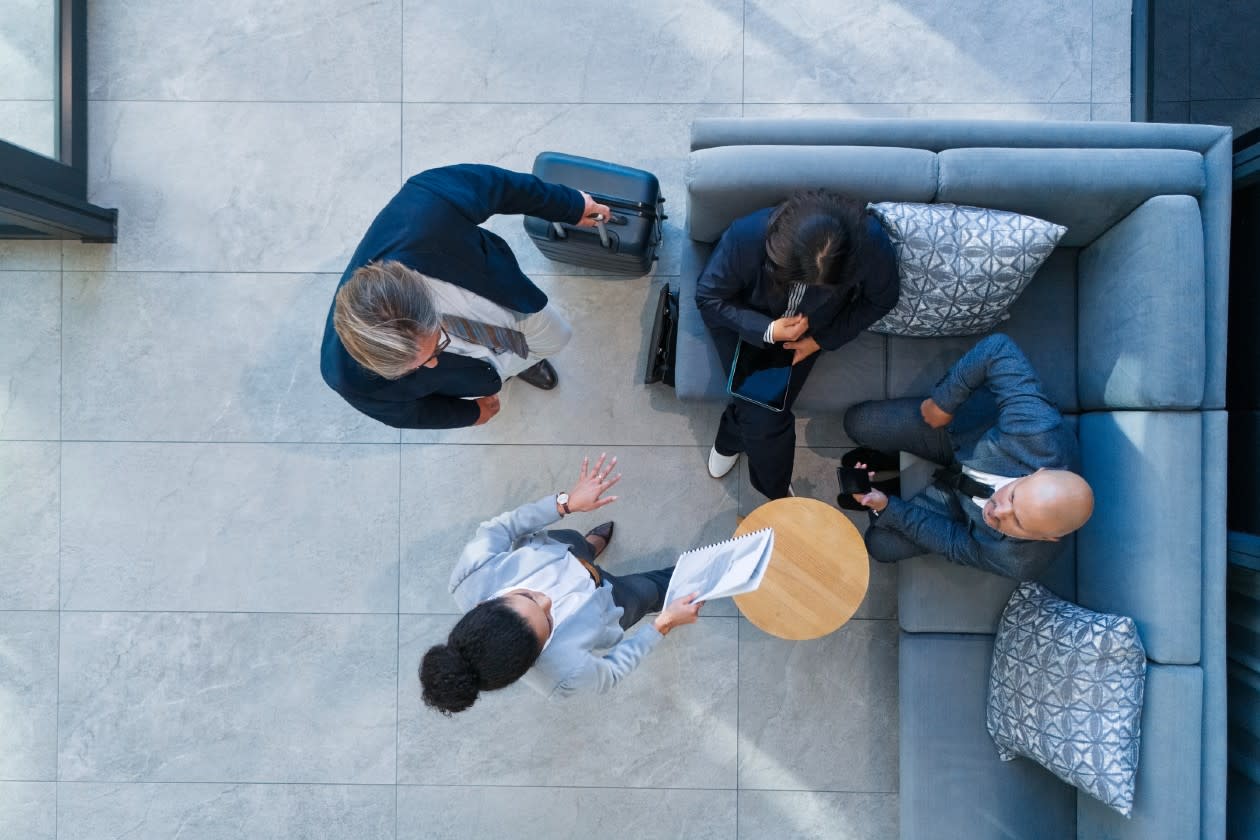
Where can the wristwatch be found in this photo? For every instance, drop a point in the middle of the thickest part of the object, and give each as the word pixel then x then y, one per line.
pixel 562 499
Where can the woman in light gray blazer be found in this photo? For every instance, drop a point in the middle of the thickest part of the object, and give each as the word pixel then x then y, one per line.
pixel 538 607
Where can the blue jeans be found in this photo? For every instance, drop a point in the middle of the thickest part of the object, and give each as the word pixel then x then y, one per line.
pixel 636 594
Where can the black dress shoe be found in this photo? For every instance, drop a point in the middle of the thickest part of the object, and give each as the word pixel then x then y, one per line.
pixel 604 532
pixel 541 375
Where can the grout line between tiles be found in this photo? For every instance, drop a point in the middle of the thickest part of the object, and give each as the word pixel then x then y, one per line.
pixel 457 785
pixel 602 103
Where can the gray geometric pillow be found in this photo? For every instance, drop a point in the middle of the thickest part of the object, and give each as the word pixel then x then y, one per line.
pixel 1066 691
pixel 961 267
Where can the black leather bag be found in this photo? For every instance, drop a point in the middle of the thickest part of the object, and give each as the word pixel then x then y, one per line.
pixel 663 342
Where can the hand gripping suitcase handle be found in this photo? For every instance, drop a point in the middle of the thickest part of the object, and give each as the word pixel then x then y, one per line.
pixel 604 239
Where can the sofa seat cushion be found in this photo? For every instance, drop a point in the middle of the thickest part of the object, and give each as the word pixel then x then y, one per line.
pixel 1086 190
pixel 724 184
pixel 1167 800
pixel 1066 691
pixel 1141 553
pixel 1142 318
pixel 1042 322
pixel 960 268
pixel 952 782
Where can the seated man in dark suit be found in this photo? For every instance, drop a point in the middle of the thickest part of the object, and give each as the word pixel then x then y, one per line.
pixel 1006 495
pixel 433 313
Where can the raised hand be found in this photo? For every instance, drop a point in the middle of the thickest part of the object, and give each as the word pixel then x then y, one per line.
pixel 592 483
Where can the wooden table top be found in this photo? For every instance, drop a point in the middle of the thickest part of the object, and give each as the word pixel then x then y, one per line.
pixel 818 573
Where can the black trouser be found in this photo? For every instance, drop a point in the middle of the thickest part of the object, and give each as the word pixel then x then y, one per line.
pixel 636 594
pixel 898 426
pixel 767 437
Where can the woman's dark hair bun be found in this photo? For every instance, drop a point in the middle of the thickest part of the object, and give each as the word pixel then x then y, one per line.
pixel 450 682
pixel 490 648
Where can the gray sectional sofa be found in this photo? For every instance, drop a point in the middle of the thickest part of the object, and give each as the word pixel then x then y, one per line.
pixel 1126 324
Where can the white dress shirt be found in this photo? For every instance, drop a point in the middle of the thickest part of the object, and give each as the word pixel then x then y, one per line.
pixel 997 482
pixel 545 331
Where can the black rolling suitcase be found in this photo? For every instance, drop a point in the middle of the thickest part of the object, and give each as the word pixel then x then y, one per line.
pixel 627 243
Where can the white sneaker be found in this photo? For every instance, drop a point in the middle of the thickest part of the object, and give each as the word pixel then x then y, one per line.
pixel 720 465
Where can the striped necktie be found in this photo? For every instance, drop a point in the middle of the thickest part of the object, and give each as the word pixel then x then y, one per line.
pixel 499 339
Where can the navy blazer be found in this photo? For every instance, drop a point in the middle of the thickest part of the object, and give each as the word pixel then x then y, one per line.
pixel 734 293
pixel 1003 424
pixel 432 225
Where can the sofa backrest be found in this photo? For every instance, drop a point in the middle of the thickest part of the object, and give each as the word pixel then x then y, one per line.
pixel 1088 176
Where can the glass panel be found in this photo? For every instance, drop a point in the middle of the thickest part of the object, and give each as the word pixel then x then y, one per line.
pixel 29 88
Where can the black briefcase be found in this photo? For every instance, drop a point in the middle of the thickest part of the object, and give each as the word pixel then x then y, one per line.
pixel 627 242
pixel 663 343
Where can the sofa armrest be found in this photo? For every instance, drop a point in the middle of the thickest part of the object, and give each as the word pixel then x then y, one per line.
pixel 1140 339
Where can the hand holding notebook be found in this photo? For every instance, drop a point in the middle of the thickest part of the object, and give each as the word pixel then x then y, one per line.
pixel 730 567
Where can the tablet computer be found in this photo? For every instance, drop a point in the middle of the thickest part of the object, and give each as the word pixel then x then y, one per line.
pixel 761 375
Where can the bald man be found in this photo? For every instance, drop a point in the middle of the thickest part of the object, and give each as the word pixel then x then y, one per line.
pixel 1006 494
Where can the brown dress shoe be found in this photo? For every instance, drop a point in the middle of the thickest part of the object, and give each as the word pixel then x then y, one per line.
pixel 541 375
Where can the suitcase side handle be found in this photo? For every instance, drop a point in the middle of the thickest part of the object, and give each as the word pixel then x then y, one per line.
pixel 606 239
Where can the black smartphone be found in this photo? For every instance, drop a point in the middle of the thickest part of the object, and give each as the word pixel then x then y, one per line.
pixel 853 480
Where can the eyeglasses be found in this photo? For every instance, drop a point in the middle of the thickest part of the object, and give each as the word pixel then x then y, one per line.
pixel 443 343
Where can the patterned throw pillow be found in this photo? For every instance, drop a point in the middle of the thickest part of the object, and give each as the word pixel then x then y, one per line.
pixel 961 267
pixel 1066 691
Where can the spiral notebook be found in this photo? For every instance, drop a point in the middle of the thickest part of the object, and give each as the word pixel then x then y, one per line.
pixel 730 567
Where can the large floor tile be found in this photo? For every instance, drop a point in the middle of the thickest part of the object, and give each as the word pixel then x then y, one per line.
pixel 923 110
pixel 28 49
pixel 250 527
pixel 601 399
pixel 156 356
pixel 196 697
pixel 651 137
pixel 29 810
pixel 319 50
pixel 28 696
pixel 772 815
pixel 1111 111
pixel 671 723
pixel 30 355
pixel 30 485
pixel 1110 54
pixel 1222 50
pixel 219 186
pixel 28 254
pixel 503 51
pixel 667 503
pixel 819 715
pixel 30 124
pixel 474 813
pixel 91 811
pixel 869 51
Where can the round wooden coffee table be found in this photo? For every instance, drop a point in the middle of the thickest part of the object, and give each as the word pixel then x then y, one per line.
pixel 817 575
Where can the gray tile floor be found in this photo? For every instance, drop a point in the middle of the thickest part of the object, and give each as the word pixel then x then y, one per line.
pixel 218 579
